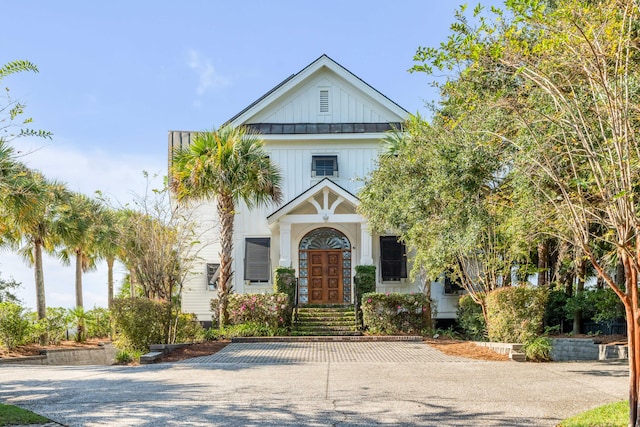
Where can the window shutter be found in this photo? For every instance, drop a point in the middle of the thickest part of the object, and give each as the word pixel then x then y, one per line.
pixel 256 259
pixel 393 258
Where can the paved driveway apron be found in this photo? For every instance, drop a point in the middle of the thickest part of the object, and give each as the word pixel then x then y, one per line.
pixel 316 384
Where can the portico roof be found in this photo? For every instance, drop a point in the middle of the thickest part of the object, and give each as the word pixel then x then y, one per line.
pixel 326 186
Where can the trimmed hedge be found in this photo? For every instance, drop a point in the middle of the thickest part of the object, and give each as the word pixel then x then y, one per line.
pixel 285 282
pixel 389 314
pixel 365 280
pixel 515 313
pixel 273 310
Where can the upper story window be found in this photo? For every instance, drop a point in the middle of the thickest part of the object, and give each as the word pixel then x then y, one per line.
pixel 322 166
pixel 324 101
pixel 393 259
pixel 256 259
pixel 213 273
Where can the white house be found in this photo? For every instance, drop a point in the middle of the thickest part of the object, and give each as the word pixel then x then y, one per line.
pixel 323 127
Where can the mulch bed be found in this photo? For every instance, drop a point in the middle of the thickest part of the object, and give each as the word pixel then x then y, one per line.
pixel 34 349
pixel 194 350
pixel 466 349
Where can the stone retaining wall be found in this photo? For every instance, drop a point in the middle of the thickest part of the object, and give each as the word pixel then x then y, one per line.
pixel 565 349
pixel 103 355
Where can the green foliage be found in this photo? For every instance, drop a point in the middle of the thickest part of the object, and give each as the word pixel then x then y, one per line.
pixel 538 349
pixel 470 319
pixel 140 322
pixel 124 357
pixel 271 310
pixel 54 327
pixel 515 313
pixel 7 286
pixel 555 309
pixel 597 304
pixel 389 314
pixel 14 326
pixel 98 323
pixel 285 282
pixel 365 280
pixel 249 329
pixel 609 415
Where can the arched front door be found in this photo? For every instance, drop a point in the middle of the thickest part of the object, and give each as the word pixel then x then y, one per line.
pixel 325 267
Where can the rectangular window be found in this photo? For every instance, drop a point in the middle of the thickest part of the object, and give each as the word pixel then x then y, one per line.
pixel 256 259
pixel 452 285
pixel 324 166
pixel 393 259
pixel 213 272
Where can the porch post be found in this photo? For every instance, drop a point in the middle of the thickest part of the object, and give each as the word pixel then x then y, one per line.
pixel 285 245
pixel 366 257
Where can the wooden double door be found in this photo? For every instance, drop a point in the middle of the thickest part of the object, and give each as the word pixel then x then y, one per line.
pixel 325 276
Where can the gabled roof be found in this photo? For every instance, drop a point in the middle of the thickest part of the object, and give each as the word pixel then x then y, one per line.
pixel 310 192
pixel 294 79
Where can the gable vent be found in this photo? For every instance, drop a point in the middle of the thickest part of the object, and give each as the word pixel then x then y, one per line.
pixel 324 101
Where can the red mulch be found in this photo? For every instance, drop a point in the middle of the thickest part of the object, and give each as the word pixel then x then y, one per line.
pixel 194 350
pixel 466 349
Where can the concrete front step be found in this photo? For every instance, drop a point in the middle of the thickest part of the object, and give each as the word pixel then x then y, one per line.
pixel 329 338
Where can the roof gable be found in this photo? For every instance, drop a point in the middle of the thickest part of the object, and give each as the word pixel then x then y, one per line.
pixel 324 197
pixel 323 92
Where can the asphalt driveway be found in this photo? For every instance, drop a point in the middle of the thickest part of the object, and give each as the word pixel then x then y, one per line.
pixel 316 384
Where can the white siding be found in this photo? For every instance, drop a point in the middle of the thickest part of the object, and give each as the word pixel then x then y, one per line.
pixel 347 104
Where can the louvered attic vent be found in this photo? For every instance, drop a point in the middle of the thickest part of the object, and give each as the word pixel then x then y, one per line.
pixel 324 101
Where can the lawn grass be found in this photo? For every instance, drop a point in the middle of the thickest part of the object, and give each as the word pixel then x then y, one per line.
pixel 12 415
pixel 611 415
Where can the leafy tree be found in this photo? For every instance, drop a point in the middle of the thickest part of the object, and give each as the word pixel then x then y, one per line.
pixel 227 165
pixel 570 124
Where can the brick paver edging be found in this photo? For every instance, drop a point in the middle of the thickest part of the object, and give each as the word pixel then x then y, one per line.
pixel 337 338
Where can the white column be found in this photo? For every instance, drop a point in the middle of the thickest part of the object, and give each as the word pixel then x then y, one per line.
pixel 285 245
pixel 366 257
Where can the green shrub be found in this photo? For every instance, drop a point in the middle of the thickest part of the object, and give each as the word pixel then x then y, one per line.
pixel 98 323
pixel 285 282
pixel 249 329
pixel 272 310
pixel 365 280
pixel 54 326
pixel 396 313
pixel 470 319
pixel 599 305
pixel 538 350
pixel 555 309
pixel 515 313
pixel 14 326
pixel 140 322
pixel 124 357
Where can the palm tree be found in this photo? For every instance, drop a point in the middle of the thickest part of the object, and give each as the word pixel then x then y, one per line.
pixel 31 213
pixel 228 165
pixel 77 228
pixel 107 244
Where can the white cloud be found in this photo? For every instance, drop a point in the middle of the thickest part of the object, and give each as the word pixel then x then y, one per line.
pixel 207 76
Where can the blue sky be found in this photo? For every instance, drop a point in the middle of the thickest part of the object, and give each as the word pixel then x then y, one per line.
pixel 116 76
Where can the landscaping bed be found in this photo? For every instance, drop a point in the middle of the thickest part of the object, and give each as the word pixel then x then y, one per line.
pixel 36 349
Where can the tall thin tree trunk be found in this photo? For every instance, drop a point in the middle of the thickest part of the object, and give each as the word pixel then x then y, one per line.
pixel 110 262
pixel 543 263
pixel 226 213
pixel 39 277
pixel 132 283
pixel 577 314
pixel 80 332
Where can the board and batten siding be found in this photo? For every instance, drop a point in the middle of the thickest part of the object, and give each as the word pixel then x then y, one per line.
pixel 346 104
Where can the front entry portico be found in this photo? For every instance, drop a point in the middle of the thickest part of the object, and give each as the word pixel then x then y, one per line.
pixel 313 228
